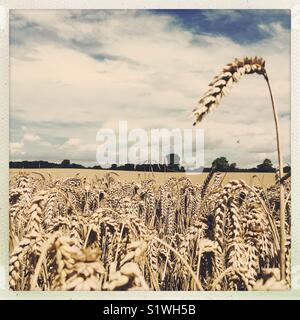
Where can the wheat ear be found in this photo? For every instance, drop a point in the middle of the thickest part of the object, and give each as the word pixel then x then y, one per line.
pixel 223 82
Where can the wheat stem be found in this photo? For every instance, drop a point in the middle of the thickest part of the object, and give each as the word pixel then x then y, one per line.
pixel 282 206
pixel 178 255
pixel 218 88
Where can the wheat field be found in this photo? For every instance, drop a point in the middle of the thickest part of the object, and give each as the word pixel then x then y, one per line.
pixel 169 231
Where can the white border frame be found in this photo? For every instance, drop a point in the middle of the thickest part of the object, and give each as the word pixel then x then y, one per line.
pixel 6 5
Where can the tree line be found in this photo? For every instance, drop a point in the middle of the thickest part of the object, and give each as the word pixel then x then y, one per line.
pixel 219 164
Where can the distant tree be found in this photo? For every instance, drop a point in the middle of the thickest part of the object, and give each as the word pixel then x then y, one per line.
pixel 65 163
pixel 266 166
pixel 221 164
pixel 232 166
pixel 114 167
pixel 129 167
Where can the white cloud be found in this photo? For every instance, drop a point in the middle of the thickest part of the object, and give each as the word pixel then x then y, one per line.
pixel 78 149
pixel 31 137
pixel 73 142
pixel 16 149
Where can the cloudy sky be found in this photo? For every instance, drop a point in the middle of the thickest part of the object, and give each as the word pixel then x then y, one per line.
pixel 74 72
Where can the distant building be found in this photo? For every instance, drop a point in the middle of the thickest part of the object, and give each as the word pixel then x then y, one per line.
pixel 173 159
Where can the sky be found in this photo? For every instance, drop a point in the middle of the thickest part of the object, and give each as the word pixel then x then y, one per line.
pixel 74 72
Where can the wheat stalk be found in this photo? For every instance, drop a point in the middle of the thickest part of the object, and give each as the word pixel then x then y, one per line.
pixel 220 87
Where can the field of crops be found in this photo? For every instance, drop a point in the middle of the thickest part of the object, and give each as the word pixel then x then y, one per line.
pixel 262 179
pixel 85 230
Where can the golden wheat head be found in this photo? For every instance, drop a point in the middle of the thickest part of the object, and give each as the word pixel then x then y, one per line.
pixel 223 82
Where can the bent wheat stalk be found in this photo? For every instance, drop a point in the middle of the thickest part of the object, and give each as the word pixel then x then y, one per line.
pixel 220 87
pixel 178 255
